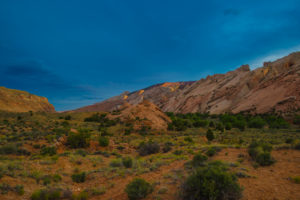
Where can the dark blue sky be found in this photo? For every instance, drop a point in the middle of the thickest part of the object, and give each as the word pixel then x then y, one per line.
pixel 78 52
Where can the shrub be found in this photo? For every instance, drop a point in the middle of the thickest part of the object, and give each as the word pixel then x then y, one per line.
pixel 81 196
pixel 167 147
pixel 103 141
pixel 177 152
pixel 19 189
pixel 228 126
pixel 211 182
pixel 297 120
pixel 68 117
pixel 211 152
pixel 198 160
pixel 48 151
pixel 138 189
pixel 148 148
pixel 116 163
pixel 256 122
pixel 46 194
pixel 220 127
pixel 261 153
pixel 240 124
pixel 210 135
pixel 127 162
pixel 79 177
pixel 211 124
pixel 78 140
pixel 200 123
pixel 56 178
pixel 188 139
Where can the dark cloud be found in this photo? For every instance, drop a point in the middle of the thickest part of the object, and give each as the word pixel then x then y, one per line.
pixel 231 11
pixel 32 76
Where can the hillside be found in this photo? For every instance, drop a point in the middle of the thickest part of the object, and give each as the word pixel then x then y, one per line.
pixel 21 101
pixel 275 87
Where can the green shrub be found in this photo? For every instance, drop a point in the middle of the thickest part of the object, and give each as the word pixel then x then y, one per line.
pixel 81 196
pixel 198 160
pixel 256 122
pixel 78 140
pixel 48 151
pixel 138 189
pixel 188 139
pixel 46 194
pixel 116 163
pixel 127 162
pixel 261 153
pixel 103 141
pixel 56 178
pixel 211 152
pixel 19 189
pixel 68 117
pixel 79 177
pixel 210 135
pixel 211 182
pixel 167 147
pixel 178 152
pixel 148 148
pixel 228 126
pixel 220 127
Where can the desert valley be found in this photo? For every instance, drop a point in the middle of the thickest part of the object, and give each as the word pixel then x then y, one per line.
pixel 224 137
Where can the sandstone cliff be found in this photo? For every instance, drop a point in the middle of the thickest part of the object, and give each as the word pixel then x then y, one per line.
pixel 20 101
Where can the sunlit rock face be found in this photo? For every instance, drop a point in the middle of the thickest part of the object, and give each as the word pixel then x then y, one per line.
pixel 275 87
pixel 21 101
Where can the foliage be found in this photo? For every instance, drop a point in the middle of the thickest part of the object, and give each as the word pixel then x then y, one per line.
pixel 103 141
pixel 211 152
pixel 167 147
pixel 46 194
pixel 147 148
pixel 138 189
pixel 127 162
pixel 79 140
pixel 256 122
pixel 210 135
pixel 211 182
pixel 198 160
pixel 260 152
pixel 48 151
pixel 79 177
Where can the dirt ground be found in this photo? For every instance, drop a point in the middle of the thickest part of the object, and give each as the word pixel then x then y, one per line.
pixel 264 183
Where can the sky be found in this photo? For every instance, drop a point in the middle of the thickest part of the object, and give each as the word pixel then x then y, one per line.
pixel 79 52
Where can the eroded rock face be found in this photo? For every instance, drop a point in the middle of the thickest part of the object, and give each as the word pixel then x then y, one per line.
pixel 20 101
pixel 275 87
pixel 144 113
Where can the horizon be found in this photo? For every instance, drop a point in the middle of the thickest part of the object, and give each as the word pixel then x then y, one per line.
pixel 79 53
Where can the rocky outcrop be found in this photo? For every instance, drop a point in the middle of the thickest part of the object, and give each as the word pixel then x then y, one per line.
pixel 275 87
pixel 20 101
pixel 143 114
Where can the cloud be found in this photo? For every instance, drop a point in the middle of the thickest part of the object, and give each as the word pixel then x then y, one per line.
pixel 272 56
pixel 33 77
pixel 231 11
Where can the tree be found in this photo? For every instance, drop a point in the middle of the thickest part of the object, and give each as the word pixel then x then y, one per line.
pixel 210 135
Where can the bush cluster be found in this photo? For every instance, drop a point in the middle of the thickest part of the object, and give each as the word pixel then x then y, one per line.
pixel 103 141
pixel 138 189
pixel 79 177
pixel 211 182
pixel 147 148
pixel 79 140
pixel 261 153
pixel 50 151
